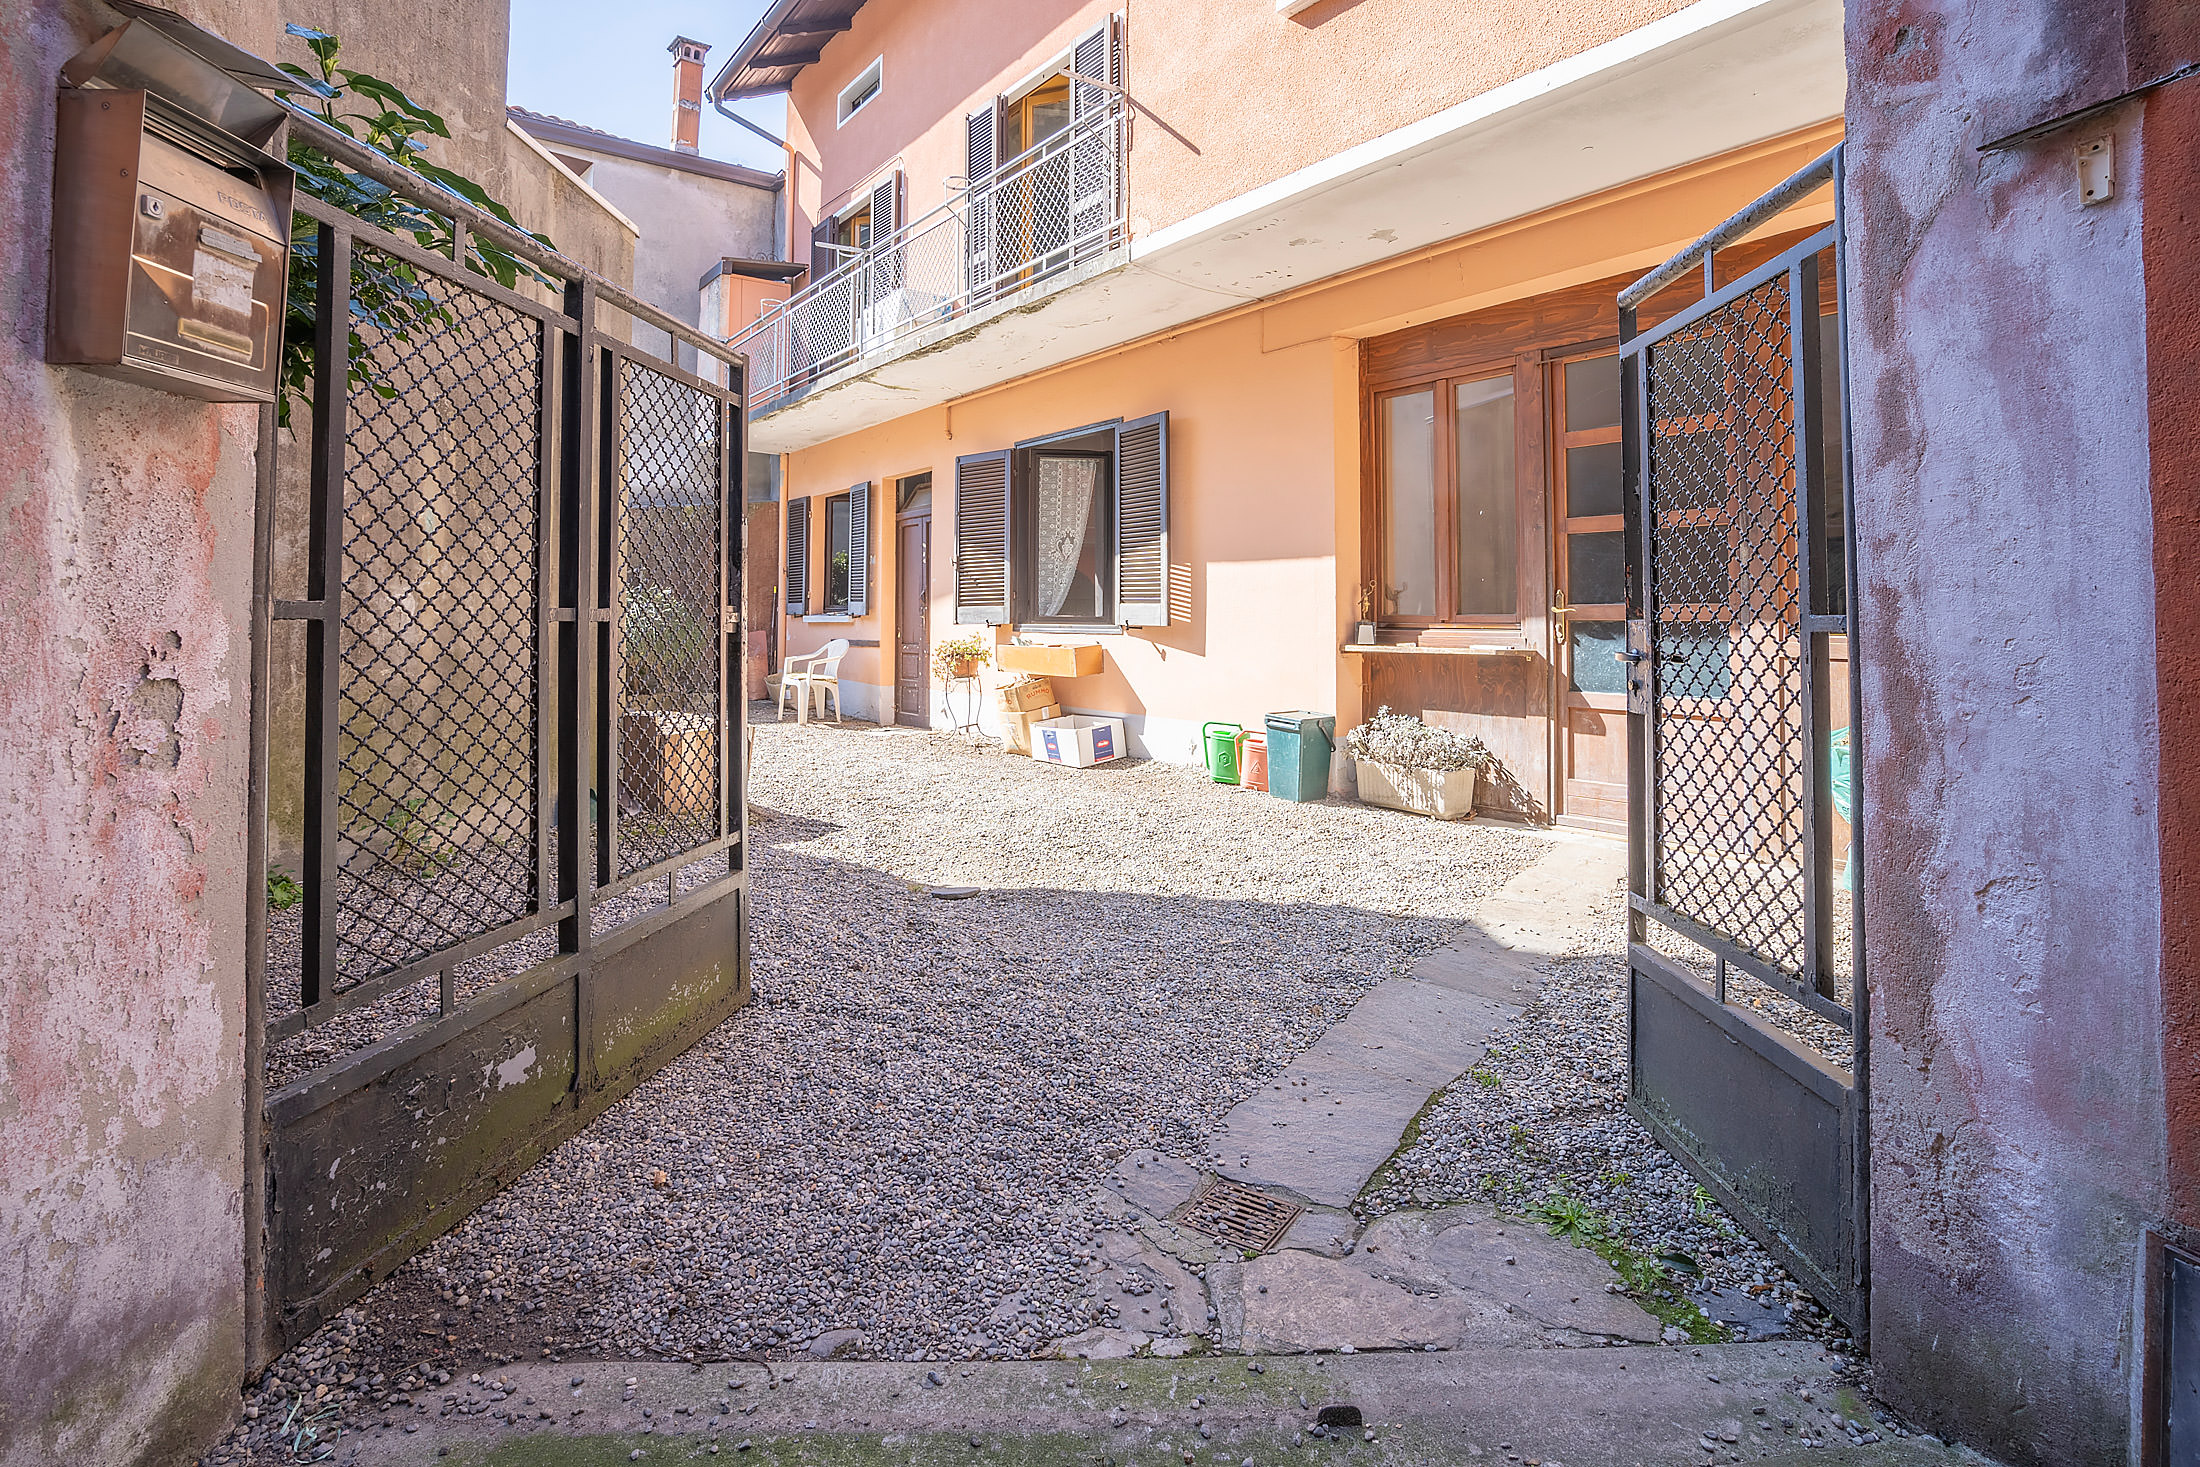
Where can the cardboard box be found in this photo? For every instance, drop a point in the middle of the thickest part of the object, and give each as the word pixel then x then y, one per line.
pixel 1081 660
pixel 1026 694
pixel 1078 741
pixel 1016 727
pixel 669 761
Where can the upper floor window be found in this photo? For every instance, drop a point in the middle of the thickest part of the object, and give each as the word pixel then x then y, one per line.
pixel 859 93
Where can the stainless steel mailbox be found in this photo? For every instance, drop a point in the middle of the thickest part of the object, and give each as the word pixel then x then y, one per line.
pixel 171 233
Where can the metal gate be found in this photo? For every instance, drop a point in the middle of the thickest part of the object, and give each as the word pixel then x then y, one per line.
pixel 1745 948
pixel 497 683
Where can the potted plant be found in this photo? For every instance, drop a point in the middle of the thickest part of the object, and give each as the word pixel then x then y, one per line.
pixel 961 657
pixel 1405 764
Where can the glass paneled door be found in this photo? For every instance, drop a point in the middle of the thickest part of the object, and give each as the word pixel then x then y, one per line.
pixel 1589 607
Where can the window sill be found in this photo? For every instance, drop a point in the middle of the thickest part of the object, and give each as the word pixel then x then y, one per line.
pixel 1416 649
pixel 1063 629
pixel 829 618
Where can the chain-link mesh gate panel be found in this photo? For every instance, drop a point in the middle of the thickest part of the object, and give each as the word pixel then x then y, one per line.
pixel 436 788
pixel 669 554
pixel 1729 759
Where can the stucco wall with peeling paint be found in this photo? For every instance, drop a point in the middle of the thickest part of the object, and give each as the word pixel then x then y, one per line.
pixel 2009 764
pixel 125 576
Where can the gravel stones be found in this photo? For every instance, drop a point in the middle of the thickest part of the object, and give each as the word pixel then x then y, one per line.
pixel 903 1135
pixel 1543 1115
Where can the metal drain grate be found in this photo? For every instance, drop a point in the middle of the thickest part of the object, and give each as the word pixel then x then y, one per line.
pixel 1233 1213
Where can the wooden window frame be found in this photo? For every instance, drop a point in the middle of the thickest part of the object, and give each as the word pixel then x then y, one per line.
pixel 821 520
pixel 1565 524
pixel 1530 572
pixel 1023 549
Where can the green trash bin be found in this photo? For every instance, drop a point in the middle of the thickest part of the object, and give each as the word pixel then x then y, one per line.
pixel 1843 794
pixel 1299 745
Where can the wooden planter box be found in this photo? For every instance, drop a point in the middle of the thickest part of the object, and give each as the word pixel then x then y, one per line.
pixel 1446 796
pixel 1078 661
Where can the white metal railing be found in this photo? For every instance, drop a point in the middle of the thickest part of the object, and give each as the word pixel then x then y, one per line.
pixel 1054 206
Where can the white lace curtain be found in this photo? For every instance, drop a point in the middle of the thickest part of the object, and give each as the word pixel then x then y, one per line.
pixel 1063 506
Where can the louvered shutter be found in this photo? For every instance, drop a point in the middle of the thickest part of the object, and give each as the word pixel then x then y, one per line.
pixel 981 539
pixel 1094 154
pixel 821 252
pixel 885 208
pixel 1142 522
pixel 795 574
pixel 859 550
pixel 981 155
pixel 886 265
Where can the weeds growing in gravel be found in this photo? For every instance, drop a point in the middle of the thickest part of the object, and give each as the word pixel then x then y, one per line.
pixel 1648 1280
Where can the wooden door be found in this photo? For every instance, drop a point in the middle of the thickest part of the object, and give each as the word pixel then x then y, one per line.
pixel 1589 605
pixel 913 622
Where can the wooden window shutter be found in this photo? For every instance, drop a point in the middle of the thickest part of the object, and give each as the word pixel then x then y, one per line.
pixel 1142 522
pixel 981 155
pixel 981 539
pixel 859 549
pixel 822 257
pixel 795 574
pixel 885 207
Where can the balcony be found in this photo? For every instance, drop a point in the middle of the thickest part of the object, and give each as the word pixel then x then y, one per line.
pixel 1040 221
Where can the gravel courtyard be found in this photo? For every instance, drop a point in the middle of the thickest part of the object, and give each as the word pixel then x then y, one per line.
pixel 893 1152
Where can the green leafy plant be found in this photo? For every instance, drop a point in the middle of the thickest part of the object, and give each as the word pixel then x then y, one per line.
pixel 283 890
pixel 1640 1274
pixel 388 296
pixel 1484 1078
pixel 420 840
pixel 951 657
pixel 1570 1218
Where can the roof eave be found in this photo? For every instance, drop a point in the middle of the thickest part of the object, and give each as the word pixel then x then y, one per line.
pixel 760 34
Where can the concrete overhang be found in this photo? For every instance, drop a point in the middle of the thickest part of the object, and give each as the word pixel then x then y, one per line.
pixel 1716 76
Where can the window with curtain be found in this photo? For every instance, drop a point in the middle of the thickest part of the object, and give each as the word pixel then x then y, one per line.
pixel 1071 562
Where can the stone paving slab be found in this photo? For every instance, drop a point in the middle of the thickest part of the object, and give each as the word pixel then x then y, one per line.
pixel 1619 1407
pixel 1339 1110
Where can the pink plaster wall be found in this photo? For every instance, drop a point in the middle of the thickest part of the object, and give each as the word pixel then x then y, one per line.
pixel 1227 94
pixel 2009 739
pixel 942 59
pixel 125 576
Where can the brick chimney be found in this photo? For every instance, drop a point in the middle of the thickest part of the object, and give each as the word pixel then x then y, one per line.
pixel 687 92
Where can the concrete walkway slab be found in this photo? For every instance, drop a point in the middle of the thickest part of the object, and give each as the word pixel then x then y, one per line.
pixel 1563 1408
pixel 1340 1109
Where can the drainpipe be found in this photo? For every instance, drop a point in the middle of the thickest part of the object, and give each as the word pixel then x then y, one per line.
pixel 732 116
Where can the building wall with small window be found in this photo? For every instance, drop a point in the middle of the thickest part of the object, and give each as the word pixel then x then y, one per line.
pixel 1429 448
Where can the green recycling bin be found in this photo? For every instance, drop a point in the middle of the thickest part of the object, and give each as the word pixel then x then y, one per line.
pixel 1299 745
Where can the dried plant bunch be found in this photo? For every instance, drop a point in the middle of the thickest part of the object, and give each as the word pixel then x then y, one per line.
pixel 1406 741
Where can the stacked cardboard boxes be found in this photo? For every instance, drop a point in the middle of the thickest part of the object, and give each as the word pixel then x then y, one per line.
pixel 1024 702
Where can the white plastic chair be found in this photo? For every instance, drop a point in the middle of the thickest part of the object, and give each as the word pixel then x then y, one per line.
pixel 814 676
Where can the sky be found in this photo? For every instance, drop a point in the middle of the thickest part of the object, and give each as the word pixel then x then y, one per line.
pixel 605 65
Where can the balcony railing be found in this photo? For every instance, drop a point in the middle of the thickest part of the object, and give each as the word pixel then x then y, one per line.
pixel 1040 214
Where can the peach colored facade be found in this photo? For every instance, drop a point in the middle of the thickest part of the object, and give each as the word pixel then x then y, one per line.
pixel 1270 518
